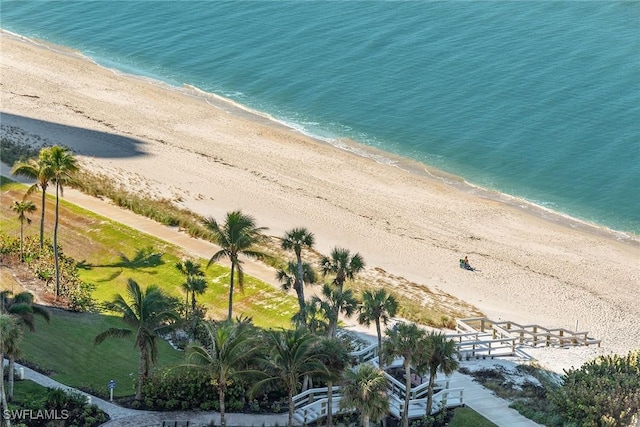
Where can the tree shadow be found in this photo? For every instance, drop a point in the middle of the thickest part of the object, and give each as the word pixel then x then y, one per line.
pixel 144 258
pixel 88 142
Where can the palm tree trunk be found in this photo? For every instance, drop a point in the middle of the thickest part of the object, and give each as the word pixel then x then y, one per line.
pixel 292 407
pixel 229 317
pixel 221 398
pixel 379 332
pixel 432 381
pixel 21 239
pixel 329 403
pixel 365 419
pixel 300 281
pixel 55 241
pixel 5 407
pixel 407 394
pixel 12 367
pixel 142 369
pixel 44 198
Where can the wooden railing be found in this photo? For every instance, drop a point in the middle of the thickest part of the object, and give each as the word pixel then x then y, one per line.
pixel 505 331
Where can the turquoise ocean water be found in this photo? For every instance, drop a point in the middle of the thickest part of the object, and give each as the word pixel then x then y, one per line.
pixel 539 100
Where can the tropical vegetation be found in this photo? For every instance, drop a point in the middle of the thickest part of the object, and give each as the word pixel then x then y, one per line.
pixel 236 236
pixel 150 314
pixel 365 389
pixel 224 357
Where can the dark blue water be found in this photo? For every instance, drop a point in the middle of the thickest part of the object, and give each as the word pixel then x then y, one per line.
pixel 540 100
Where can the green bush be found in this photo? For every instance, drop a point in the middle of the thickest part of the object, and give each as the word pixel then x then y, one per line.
pixel 603 392
pixel 41 263
pixel 71 408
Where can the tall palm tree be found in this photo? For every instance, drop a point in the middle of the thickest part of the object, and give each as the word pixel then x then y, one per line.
pixel 193 284
pixel 150 314
pixel 404 340
pixel 293 355
pixel 335 302
pixel 236 237
pixel 365 388
pixel 289 277
pixel 22 208
pixel 342 265
pixel 296 239
pixel 335 357
pixel 40 170
pixel 233 345
pixel 21 307
pixel 377 306
pixel 10 336
pixel 63 165
pixel 438 354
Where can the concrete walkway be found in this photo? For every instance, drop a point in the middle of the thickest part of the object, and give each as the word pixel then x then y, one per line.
pixel 125 417
pixel 487 404
pixel 476 397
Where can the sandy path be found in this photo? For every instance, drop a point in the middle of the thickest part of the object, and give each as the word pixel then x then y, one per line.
pixel 532 268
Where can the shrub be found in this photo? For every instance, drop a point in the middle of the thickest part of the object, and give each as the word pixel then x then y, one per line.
pixel 603 392
pixel 41 262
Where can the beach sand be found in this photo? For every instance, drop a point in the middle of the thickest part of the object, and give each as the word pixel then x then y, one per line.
pixel 533 267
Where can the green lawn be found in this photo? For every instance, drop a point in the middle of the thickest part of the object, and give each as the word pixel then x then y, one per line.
pixel 65 346
pixel 467 417
pixel 110 253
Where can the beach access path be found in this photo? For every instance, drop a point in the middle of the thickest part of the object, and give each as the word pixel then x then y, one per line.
pixel 475 396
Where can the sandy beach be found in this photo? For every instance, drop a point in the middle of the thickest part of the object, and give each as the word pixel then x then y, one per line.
pixel 532 266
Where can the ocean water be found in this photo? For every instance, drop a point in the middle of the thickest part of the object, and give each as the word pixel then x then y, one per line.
pixel 538 100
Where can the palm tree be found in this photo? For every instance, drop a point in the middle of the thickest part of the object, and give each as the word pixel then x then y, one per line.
pixel 439 354
pixel 236 236
pixel 150 314
pixel 197 285
pixel 233 345
pixel 404 340
pixel 313 317
pixel 377 306
pixel 342 265
pixel 22 208
pixel 334 302
pixel 21 307
pixel 293 355
pixel 335 357
pixel 10 336
pixel 63 165
pixel 289 277
pixel 296 239
pixel 41 171
pixel 194 282
pixel 365 388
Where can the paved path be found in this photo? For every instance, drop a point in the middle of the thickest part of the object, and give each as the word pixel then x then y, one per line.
pixel 475 396
pixel 125 417
pixel 484 402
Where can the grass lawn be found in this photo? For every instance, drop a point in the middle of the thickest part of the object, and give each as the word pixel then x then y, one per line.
pixel 110 253
pixel 28 390
pixel 466 417
pixel 65 346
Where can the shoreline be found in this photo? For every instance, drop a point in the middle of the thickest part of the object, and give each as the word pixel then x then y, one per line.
pixel 166 142
pixel 359 149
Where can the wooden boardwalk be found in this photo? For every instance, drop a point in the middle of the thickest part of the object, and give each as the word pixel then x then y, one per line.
pixel 482 337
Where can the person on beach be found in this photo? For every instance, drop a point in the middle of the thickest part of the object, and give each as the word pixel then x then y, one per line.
pixel 464 263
